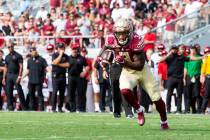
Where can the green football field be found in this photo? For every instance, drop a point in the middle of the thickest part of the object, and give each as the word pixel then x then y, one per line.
pixel 100 126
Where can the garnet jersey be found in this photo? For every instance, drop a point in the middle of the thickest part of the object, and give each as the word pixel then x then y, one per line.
pixel 136 44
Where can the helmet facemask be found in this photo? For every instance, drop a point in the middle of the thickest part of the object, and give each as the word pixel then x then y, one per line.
pixel 122 37
pixel 123 29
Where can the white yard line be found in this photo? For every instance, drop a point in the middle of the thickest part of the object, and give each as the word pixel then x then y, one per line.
pixel 104 136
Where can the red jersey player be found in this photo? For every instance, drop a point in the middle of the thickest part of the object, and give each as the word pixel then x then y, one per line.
pixel 128 47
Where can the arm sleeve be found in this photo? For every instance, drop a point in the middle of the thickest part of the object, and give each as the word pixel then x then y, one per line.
pixel 20 59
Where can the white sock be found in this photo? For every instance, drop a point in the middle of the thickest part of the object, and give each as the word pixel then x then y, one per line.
pixel 141 109
pixel 208 109
pixel 163 122
pixel 96 106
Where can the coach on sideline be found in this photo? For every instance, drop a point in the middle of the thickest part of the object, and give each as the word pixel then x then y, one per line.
pixel 12 76
pixel 36 70
pixel 60 63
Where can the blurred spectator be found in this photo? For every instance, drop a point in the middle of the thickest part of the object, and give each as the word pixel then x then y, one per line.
pixel 61 37
pixel 192 19
pixel 152 5
pixel 84 24
pixel 53 14
pixel 57 4
pixel 140 9
pixel 60 23
pixel 71 23
pixel 48 29
pixel 114 2
pixel 141 29
pixel 104 10
pixel 169 33
pixel 42 13
pixel 127 11
pixel 161 21
pixel 150 21
pixel 116 12
pixel 149 39
pixel 24 5
pixel 33 35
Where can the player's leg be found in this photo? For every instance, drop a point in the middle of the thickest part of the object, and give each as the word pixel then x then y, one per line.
pixel 151 87
pixel 127 83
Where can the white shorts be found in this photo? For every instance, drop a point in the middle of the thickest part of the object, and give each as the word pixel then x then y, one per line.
pixel 49 85
pixel 96 87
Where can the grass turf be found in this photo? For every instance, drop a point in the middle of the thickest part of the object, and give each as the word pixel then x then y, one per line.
pixel 101 126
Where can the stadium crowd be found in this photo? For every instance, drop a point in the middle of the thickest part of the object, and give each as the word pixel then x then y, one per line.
pixel 90 21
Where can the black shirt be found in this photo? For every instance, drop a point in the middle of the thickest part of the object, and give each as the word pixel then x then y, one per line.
pixel 76 65
pixel 12 62
pixel 2 64
pixel 100 72
pixel 36 67
pixel 175 65
pixel 56 69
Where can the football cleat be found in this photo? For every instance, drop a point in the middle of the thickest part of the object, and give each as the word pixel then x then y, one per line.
pixel 164 126
pixel 140 118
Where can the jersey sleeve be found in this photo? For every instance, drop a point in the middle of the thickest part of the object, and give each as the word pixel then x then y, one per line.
pixel 138 43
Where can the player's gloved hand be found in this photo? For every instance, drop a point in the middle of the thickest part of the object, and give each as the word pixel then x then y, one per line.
pixel 119 59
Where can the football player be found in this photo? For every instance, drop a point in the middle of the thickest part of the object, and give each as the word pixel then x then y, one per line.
pixel 127 48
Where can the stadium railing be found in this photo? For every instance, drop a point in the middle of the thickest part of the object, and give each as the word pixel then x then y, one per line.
pixel 200 17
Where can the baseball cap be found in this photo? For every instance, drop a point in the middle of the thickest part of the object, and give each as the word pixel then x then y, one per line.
pixel 160 47
pixel 50 47
pixel 74 46
pixel 206 49
pixel 60 45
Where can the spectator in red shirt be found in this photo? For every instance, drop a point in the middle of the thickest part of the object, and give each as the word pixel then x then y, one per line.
pixel 150 21
pixel 162 71
pixel 170 29
pixel 71 23
pixel 48 29
pixel 56 3
pixel 104 10
pixel 149 40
